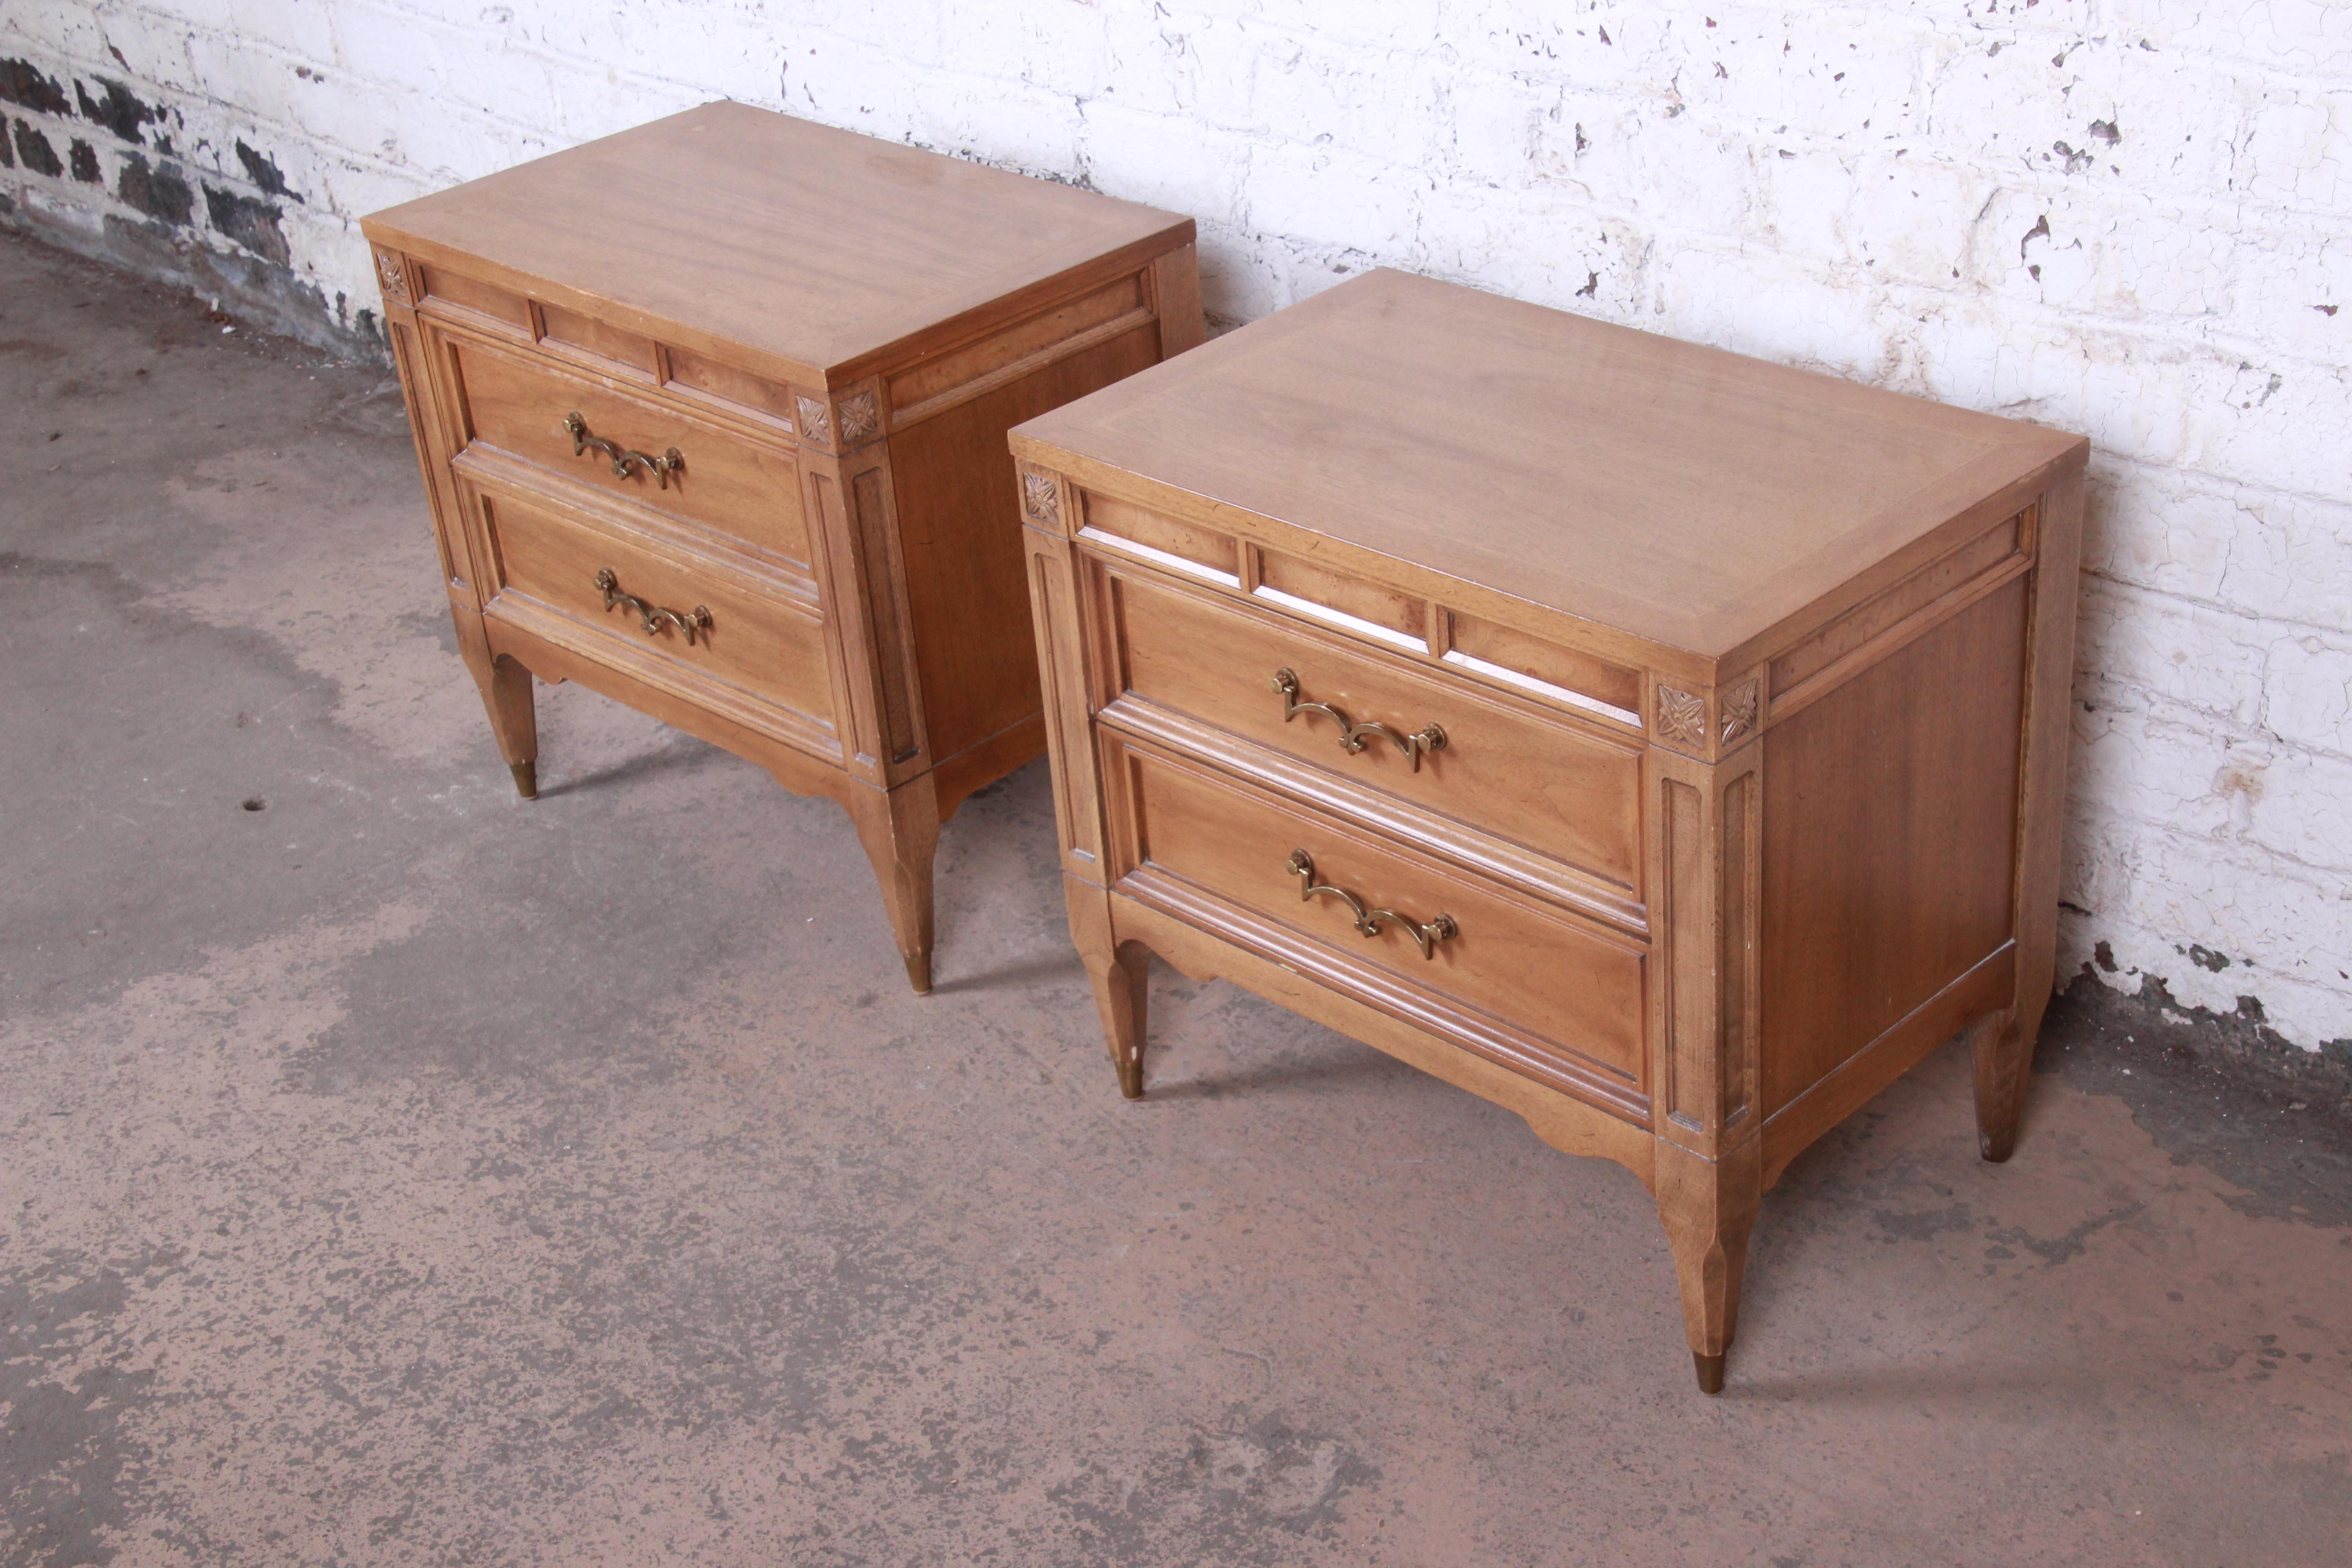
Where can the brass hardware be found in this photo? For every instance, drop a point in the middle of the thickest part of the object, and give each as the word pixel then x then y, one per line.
pixel 652 616
pixel 661 467
pixel 1431 738
pixel 1368 921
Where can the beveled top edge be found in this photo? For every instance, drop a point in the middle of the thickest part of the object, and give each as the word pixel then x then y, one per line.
pixel 1567 463
pixel 810 246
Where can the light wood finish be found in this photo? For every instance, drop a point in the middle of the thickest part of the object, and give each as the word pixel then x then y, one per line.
pixel 1751 687
pixel 830 336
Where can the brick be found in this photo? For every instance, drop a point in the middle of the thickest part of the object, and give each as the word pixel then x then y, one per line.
pixel 2308 690
pixel 2298 150
pixel 2202 659
pixel 2297 33
pixel 2284 929
pixel 1162 160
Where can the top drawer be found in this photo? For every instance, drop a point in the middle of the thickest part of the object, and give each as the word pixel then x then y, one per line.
pixel 521 404
pixel 1541 783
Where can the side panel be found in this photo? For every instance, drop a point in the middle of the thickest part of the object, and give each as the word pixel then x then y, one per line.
pixel 960 530
pixel 1889 840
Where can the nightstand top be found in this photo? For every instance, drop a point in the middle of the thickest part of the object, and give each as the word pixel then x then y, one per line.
pixel 819 248
pixel 1683 494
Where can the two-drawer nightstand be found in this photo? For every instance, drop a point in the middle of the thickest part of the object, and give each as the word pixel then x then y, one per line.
pixel 1665 744
pixel 713 419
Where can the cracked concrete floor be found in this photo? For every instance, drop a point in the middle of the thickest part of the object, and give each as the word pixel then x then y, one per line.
pixel 397 1173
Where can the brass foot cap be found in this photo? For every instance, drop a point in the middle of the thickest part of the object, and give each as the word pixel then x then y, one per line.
pixel 526 777
pixel 919 973
pixel 1710 1371
pixel 1130 1082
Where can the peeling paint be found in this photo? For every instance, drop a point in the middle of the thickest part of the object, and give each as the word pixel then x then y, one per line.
pixel 33 150
pixel 116 108
pixel 251 223
pixel 263 171
pixel 160 192
pixel 23 85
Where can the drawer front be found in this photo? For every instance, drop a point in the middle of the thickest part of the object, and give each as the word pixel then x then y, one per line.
pixel 564 575
pixel 1571 991
pixel 1530 779
pixel 517 403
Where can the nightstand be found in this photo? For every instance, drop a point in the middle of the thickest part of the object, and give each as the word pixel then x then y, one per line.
pixel 713 419
pixel 1665 744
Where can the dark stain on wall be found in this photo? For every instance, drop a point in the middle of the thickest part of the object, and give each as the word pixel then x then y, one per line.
pixel 35 150
pixel 163 235
pixel 162 193
pixel 119 111
pixel 263 171
pixel 252 224
pixel 21 84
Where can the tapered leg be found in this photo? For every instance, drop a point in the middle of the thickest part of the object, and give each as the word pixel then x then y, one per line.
pixel 506 694
pixel 1122 994
pixel 1120 973
pixel 1708 1207
pixel 2004 1061
pixel 900 831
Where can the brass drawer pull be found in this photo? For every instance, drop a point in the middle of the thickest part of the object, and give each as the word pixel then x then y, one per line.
pixel 661 467
pixel 651 615
pixel 1351 736
pixel 1368 921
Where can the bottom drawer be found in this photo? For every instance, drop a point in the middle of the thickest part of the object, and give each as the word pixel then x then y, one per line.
pixel 702 629
pixel 1569 992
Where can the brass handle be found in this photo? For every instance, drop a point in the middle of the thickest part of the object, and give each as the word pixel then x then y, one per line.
pixel 1368 921
pixel 652 615
pixel 1430 738
pixel 661 467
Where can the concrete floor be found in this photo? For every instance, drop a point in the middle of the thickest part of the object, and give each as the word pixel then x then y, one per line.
pixel 400 1173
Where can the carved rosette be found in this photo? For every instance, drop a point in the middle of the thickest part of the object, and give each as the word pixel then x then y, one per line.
pixel 1681 717
pixel 1041 498
pixel 858 418
pixel 1740 710
pixel 816 421
pixel 392 276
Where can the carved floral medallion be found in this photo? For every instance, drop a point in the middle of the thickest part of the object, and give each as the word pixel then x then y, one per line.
pixel 858 418
pixel 1041 498
pixel 1682 717
pixel 393 276
pixel 1740 707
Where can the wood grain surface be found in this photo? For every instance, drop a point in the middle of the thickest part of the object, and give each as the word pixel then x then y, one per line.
pixel 1670 491
pixel 810 247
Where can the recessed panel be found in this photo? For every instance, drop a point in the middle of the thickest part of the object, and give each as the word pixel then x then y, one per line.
pixel 1890 820
pixel 520 404
pixel 706 624
pixel 1568 793
pixel 1506 956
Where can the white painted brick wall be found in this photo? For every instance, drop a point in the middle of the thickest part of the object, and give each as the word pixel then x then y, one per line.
pixel 2131 218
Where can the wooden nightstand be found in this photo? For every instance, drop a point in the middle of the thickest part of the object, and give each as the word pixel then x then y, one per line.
pixel 1665 744
pixel 712 418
